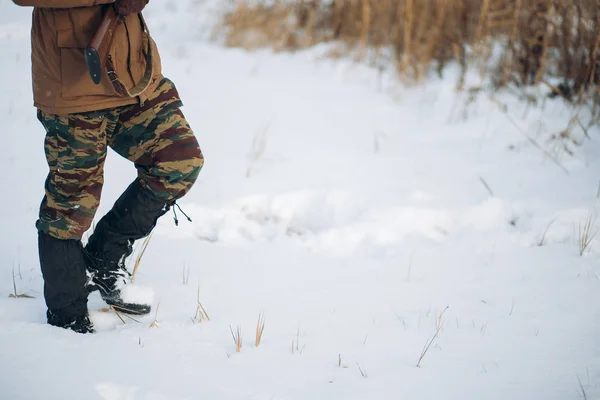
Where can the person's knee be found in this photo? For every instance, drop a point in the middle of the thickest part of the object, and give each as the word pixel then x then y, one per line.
pixel 189 172
pixel 173 176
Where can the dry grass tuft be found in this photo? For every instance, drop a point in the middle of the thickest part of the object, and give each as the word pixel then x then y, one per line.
pixel 201 314
pixel 587 232
pixel 260 328
pixel 237 338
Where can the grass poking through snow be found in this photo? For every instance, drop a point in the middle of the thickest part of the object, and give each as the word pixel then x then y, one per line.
pixel 118 314
pixel 138 259
pixel 583 392
pixel 201 313
pixel 363 372
pixel 14 294
pixel 260 328
pixel 587 232
pixel 435 335
pixel 237 338
pixel 185 275
pixel 542 241
pixel 155 323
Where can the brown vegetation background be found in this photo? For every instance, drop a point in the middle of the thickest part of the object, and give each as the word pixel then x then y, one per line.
pixel 514 42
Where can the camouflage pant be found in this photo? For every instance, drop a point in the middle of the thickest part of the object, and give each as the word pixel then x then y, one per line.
pixel 154 136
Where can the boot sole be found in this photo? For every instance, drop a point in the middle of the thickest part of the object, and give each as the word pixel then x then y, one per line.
pixel 130 308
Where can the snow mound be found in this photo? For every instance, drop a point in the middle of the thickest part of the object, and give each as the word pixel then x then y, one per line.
pixel 336 221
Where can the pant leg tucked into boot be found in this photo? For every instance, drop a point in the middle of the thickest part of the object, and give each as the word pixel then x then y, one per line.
pixel 133 217
pixel 64 271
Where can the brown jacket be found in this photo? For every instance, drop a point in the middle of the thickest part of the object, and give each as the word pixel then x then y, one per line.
pixel 61 31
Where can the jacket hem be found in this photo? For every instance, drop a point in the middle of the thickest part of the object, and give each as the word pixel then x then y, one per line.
pixel 95 106
pixel 104 104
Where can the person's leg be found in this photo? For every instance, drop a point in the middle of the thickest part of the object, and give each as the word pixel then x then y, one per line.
pixel 158 140
pixel 75 147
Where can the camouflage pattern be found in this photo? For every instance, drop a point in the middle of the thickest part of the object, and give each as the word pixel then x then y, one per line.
pixel 155 136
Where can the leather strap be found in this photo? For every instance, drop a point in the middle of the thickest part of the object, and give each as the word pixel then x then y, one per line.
pixel 144 83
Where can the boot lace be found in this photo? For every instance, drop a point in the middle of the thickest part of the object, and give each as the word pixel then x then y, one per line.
pixel 175 205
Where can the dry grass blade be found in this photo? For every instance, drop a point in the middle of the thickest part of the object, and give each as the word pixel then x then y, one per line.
pixel 435 335
pixel 296 343
pixel 116 309
pixel 408 25
pixel 203 310
pixel 131 318
pixel 542 240
pixel 487 187
pixel 14 281
pixel 129 310
pixel 138 259
pixel 529 138
pixel 583 392
pixel 20 296
pixel 201 313
pixel 16 295
pixel 260 328
pixel 237 338
pixel 186 276
pixel 512 307
pixel 362 371
pixel 483 17
pixel 118 314
pixel 587 232
pixel 155 323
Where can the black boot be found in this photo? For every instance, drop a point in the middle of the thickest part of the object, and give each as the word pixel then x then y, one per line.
pixel 81 324
pixel 133 217
pixel 64 271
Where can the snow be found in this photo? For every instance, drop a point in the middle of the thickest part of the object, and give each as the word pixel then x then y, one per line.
pixel 351 211
pixel 134 293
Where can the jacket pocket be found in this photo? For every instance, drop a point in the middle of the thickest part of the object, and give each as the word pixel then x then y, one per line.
pixel 75 29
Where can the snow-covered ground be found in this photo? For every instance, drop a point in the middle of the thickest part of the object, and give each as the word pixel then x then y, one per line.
pixel 349 210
